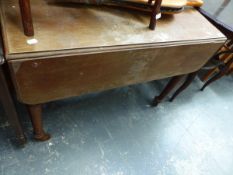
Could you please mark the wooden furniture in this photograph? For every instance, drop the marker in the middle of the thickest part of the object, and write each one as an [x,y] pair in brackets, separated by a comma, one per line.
[224,67]
[9,107]
[155,10]
[219,14]
[102,49]
[26,15]
[219,59]
[172,84]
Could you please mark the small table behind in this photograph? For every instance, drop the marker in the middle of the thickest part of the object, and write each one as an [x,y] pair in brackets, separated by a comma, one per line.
[220,14]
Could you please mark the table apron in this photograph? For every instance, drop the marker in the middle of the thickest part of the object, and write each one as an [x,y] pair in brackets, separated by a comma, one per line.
[42,80]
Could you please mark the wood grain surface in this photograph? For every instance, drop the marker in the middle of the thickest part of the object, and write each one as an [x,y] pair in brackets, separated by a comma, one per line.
[46,79]
[82,49]
[74,29]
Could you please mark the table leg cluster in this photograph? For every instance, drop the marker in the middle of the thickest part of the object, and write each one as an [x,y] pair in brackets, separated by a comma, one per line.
[224,55]
[172,84]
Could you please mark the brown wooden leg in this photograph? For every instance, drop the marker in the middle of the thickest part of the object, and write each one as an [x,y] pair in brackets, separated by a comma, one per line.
[170,86]
[230,43]
[213,79]
[223,71]
[206,76]
[10,110]
[36,118]
[155,11]
[26,16]
[230,71]
[187,82]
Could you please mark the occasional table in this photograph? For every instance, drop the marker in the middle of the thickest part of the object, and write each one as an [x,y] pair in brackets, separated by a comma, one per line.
[97,48]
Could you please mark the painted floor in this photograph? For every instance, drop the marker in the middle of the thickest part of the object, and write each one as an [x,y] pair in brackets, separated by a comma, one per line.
[116,132]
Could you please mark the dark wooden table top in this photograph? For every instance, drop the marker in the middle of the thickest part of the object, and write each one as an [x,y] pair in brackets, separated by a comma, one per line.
[221,13]
[84,29]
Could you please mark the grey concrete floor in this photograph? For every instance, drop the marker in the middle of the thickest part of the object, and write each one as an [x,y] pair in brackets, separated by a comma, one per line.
[116,133]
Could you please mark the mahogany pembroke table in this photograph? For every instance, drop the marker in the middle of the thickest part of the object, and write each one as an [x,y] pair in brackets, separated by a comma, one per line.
[91,49]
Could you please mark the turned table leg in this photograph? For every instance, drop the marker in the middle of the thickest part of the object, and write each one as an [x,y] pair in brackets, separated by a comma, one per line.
[213,79]
[170,86]
[155,11]
[187,82]
[224,69]
[36,118]
[26,16]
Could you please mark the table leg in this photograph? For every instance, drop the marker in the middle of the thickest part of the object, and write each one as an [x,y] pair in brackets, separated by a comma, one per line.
[10,110]
[26,15]
[209,74]
[187,82]
[230,71]
[150,2]
[230,43]
[223,71]
[169,87]
[35,112]
[155,11]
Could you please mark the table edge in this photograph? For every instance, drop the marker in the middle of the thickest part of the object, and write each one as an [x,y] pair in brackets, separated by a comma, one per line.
[105,49]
